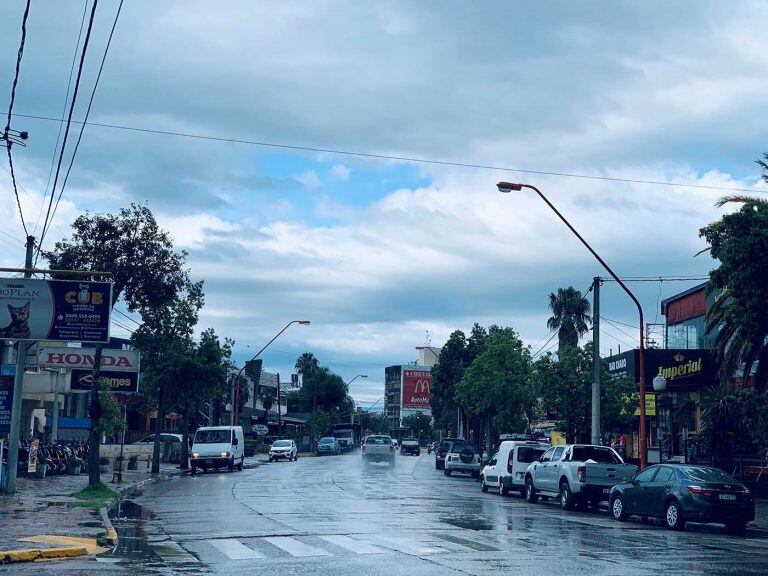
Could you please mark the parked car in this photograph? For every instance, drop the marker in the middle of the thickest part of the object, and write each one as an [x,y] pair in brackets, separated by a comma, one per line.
[283,449]
[680,493]
[441,450]
[218,447]
[164,437]
[576,474]
[506,470]
[410,446]
[327,445]
[462,457]
[378,448]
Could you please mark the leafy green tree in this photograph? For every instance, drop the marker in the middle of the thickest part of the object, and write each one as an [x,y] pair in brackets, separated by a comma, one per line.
[420,425]
[570,316]
[373,423]
[497,384]
[145,270]
[322,389]
[733,417]
[318,424]
[111,421]
[268,396]
[445,375]
[739,241]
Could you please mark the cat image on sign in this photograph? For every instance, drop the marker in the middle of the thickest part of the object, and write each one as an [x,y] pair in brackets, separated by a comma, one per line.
[19,326]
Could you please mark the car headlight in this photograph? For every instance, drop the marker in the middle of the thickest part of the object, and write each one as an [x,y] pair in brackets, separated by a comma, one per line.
[225,454]
[195,454]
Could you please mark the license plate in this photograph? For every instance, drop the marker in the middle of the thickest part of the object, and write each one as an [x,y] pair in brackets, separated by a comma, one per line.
[209,461]
[606,490]
[727,496]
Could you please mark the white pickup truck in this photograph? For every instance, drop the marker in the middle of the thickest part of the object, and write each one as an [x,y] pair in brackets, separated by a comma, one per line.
[576,474]
[378,448]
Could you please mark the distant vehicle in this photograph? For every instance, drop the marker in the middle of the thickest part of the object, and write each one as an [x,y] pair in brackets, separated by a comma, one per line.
[395,444]
[327,445]
[576,474]
[410,446]
[164,437]
[218,447]
[378,448]
[441,450]
[430,447]
[462,457]
[283,449]
[679,493]
[347,435]
[506,470]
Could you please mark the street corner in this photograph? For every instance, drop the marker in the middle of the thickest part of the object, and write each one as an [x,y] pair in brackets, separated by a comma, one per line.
[61,547]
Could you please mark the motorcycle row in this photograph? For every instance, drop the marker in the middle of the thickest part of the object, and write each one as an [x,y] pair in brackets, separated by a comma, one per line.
[58,458]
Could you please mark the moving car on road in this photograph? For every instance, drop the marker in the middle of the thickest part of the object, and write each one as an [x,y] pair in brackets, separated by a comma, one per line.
[462,457]
[506,470]
[283,449]
[218,447]
[327,445]
[576,474]
[378,448]
[679,493]
[410,446]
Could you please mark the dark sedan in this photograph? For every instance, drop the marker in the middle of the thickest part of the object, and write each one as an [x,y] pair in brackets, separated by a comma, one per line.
[681,493]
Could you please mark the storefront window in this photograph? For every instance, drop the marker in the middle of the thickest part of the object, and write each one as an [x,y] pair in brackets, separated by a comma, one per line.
[689,334]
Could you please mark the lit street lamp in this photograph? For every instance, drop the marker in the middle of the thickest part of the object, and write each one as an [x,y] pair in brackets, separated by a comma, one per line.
[507,187]
[236,384]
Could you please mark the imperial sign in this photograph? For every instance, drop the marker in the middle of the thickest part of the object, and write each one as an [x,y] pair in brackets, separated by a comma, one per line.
[82,358]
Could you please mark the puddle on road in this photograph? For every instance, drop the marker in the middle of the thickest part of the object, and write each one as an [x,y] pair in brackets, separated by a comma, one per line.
[469,522]
[128,518]
[128,510]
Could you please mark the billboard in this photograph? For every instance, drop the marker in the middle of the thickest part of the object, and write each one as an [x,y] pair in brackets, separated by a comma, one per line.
[685,370]
[122,382]
[416,388]
[62,310]
[82,358]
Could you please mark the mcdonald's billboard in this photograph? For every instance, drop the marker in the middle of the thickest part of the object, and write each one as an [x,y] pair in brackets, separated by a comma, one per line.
[416,388]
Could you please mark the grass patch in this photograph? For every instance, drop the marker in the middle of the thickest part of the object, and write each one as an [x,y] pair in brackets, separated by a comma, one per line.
[93,496]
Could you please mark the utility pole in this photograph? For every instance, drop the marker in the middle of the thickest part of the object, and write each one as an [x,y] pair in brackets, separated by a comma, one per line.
[279,411]
[596,360]
[18,382]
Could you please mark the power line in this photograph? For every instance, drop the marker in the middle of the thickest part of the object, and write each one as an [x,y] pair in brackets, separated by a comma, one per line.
[88,110]
[618,328]
[124,315]
[69,122]
[618,322]
[6,132]
[414,159]
[660,279]
[64,109]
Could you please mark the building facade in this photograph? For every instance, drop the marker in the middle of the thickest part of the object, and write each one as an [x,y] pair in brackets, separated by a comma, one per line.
[407,387]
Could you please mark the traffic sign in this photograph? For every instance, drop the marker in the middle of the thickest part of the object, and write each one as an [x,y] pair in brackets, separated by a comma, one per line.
[260,429]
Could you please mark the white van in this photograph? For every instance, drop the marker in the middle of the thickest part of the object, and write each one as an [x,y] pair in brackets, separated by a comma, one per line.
[506,469]
[218,447]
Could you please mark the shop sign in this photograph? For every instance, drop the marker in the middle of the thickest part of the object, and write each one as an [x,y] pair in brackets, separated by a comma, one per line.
[6,403]
[82,358]
[416,388]
[122,382]
[684,369]
[650,405]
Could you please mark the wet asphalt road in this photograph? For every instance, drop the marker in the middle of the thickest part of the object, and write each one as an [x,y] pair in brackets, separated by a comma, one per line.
[330,516]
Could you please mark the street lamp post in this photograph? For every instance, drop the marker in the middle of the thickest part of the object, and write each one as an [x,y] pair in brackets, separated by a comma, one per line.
[507,187]
[236,384]
[350,384]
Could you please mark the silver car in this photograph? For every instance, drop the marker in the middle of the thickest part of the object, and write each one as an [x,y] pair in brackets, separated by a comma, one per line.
[462,457]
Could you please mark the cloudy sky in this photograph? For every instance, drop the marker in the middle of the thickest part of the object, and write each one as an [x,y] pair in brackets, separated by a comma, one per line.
[378,253]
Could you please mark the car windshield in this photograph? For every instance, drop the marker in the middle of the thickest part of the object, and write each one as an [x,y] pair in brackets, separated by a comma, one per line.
[601,455]
[458,447]
[378,440]
[528,455]
[327,441]
[704,474]
[282,443]
[213,437]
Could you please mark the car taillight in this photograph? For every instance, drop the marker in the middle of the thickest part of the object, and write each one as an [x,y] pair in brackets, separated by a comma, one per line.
[363,448]
[581,473]
[700,490]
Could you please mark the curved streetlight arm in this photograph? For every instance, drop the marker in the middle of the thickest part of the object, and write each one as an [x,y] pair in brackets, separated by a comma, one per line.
[356,377]
[507,187]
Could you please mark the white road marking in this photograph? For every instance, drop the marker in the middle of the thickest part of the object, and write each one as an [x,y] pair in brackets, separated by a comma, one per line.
[172,553]
[295,547]
[356,546]
[235,550]
[407,545]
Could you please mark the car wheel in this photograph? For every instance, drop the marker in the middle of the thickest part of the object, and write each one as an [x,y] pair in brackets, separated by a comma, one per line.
[530,491]
[242,461]
[231,465]
[503,490]
[737,528]
[205,469]
[566,496]
[673,516]
[483,485]
[447,472]
[617,509]
[194,470]
[296,457]
[271,459]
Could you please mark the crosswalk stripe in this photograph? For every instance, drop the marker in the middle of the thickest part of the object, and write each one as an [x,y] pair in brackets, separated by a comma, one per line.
[407,545]
[295,547]
[234,549]
[172,553]
[356,546]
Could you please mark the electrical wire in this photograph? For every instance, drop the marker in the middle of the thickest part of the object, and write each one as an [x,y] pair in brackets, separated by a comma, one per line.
[413,159]
[618,328]
[64,108]
[88,110]
[69,122]
[124,315]
[7,129]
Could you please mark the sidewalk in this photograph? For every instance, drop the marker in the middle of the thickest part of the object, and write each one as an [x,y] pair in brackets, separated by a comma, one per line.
[761,515]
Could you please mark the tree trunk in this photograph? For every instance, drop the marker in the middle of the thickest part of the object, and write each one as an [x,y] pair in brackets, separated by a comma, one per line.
[158,429]
[94,410]
[184,460]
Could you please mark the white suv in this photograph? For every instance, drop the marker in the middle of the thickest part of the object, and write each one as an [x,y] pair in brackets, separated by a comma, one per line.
[464,458]
[283,449]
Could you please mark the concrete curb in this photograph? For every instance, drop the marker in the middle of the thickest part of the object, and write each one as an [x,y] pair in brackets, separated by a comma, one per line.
[32,554]
[111,536]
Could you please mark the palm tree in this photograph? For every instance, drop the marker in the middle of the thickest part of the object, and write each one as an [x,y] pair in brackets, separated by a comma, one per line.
[306,363]
[268,396]
[570,316]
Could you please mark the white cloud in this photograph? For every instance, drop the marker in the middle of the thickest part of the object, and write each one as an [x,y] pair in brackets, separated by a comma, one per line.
[340,172]
[309,179]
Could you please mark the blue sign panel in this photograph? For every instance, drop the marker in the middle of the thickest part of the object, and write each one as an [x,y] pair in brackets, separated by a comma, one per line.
[6,403]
